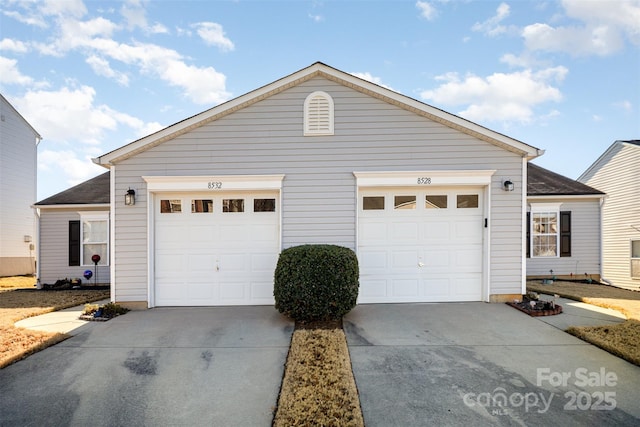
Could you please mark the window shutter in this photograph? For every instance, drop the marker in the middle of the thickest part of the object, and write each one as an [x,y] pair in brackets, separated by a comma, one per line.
[565,234]
[528,234]
[74,243]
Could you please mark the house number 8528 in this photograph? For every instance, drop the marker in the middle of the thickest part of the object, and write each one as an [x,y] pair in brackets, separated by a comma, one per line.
[424,180]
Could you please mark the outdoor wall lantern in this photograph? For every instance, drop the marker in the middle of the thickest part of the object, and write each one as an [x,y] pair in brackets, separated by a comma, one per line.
[130,197]
[508,185]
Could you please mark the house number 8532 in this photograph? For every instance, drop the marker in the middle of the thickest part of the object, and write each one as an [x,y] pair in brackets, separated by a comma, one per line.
[214,185]
[424,180]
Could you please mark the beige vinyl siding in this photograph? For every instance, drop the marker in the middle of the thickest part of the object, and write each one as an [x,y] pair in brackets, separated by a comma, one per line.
[319,193]
[618,175]
[585,242]
[54,247]
[17,192]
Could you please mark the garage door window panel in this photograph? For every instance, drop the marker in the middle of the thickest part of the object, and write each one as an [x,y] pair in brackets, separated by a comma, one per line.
[232,205]
[170,206]
[404,202]
[202,206]
[373,203]
[635,259]
[436,201]
[467,201]
[264,205]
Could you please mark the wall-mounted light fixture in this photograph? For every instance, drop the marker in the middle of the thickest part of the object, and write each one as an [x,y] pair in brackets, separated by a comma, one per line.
[130,197]
[508,185]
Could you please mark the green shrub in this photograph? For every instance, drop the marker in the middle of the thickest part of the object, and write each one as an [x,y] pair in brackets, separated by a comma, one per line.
[316,282]
[111,309]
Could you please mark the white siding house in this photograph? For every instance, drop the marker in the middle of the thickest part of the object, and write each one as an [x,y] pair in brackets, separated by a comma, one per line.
[18,186]
[617,173]
[319,156]
[73,227]
[563,227]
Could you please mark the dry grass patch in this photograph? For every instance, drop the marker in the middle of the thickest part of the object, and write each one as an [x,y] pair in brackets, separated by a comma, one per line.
[15,304]
[318,388]
[17,282]
[622,340]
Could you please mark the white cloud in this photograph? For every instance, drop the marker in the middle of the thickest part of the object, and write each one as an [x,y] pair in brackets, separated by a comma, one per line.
[29,19]
[101,67]
[75,8]
[66,163]
[601,29]
[427,10]
[316,18]
[370,78]
[77,119]
[625,105]
[491,26]
[499,97]
[213,35]
[13,45]
[10,74]
[136,16]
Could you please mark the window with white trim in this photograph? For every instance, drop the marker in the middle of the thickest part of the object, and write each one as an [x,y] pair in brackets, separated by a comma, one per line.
[635,259]
[318,114]
[545,230]
[94,230]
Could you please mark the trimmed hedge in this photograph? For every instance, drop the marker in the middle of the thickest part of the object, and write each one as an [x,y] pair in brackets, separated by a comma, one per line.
[316,282]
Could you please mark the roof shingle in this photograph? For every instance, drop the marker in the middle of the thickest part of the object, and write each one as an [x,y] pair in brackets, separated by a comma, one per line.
[543,182]
[92,192]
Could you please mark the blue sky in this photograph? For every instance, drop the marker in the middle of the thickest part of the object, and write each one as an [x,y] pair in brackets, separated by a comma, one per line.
[92,76]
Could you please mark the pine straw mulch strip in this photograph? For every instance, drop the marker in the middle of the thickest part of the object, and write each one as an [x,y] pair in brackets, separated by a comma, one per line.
[318,388]
[623,339]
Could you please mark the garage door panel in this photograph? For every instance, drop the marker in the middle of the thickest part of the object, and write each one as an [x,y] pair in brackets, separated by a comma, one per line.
[433,252]
[404,232]
[373,231]
[405,259]
[373,260]
[214,258]
[405,288]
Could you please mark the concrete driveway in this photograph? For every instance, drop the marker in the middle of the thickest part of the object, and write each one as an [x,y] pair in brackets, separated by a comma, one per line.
[486,364]
[163,367]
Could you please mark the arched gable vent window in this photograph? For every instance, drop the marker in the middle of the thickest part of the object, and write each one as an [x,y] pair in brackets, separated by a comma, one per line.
[318,114]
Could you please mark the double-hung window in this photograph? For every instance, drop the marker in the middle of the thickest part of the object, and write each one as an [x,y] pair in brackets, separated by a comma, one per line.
[95,238]
[548,231]
[635,259]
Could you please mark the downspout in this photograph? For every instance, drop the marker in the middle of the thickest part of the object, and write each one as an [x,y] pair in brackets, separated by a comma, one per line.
[38,257]
[523,227]
[602,278]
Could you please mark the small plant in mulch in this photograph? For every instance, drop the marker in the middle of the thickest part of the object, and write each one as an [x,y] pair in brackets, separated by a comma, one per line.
[102,313]
[534,306]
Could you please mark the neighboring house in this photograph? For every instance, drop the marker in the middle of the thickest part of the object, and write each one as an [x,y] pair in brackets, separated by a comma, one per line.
[434,205]
[617,173]
[563,226]
[74,226]
[18,189]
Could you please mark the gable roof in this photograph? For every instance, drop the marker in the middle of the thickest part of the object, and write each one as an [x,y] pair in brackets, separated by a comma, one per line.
[333,74]
[635,143]
[543,182]
[92,192]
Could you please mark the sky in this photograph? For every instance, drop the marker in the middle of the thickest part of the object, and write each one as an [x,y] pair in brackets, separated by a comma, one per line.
[92,76]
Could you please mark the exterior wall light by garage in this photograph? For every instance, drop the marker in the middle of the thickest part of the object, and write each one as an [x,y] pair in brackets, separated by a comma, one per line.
[508,185]
[130,197]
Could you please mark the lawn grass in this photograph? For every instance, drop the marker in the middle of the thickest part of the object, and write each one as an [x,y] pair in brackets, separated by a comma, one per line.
[318,388]
[622,340]
[17,303]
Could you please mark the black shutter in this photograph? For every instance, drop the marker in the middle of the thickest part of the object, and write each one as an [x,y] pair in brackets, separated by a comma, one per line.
[528,234]
[565,234]
[74,243]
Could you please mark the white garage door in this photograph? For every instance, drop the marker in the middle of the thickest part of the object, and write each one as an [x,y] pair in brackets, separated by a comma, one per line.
[420,246]
[215,250]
